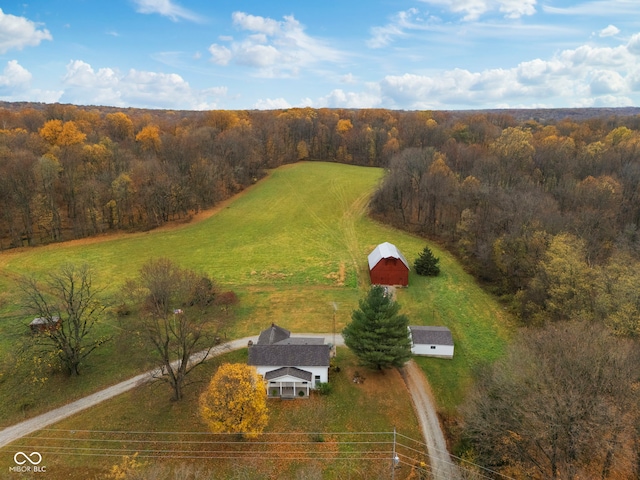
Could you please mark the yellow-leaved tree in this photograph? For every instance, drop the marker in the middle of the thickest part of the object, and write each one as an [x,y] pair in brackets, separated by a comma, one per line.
[149,139]
[235,401]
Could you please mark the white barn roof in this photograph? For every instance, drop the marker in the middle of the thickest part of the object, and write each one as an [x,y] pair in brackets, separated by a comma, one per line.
[385,250]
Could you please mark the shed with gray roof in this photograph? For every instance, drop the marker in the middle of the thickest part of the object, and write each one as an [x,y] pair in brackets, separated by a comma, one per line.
[431,341]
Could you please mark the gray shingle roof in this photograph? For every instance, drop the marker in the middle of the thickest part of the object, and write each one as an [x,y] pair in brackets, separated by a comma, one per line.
[385,250]
[290,355]
[291,371]
[431,335]
[273,334]
[302,341]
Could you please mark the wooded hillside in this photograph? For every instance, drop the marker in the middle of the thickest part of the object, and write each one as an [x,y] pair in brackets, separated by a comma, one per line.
[546,212]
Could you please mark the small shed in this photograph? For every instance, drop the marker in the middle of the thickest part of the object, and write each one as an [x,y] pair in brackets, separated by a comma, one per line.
[43,324]
[431,341]
[387,266]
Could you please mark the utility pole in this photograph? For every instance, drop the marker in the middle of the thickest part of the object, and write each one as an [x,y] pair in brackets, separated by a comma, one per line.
[394,457]
[335,348]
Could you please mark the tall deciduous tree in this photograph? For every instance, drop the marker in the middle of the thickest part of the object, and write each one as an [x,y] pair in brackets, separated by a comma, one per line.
[377,333]
[69,305]
[562,404]
[177,316]
[235,401]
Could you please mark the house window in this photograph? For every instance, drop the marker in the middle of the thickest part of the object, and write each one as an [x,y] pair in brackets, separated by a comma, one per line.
[317,378]
[433,347]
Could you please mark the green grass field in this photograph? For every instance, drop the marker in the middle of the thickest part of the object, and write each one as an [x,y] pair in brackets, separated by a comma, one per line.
[291,247]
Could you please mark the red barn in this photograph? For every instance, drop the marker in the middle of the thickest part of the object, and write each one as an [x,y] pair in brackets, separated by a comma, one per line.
[43,324]
[387,266]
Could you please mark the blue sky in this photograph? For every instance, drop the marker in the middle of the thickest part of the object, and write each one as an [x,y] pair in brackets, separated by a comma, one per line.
[398,54]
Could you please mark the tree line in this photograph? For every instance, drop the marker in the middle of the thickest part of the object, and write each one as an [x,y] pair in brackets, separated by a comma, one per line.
[69,172]
[547,216]
[519,202]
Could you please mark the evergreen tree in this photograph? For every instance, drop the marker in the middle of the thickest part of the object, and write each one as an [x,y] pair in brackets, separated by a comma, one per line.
[427,264]
[377,334]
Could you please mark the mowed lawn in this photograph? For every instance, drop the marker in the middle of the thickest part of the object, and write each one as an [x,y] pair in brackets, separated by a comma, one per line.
[294,248]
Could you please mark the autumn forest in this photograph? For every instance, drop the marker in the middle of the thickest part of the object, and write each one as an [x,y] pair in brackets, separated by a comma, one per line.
[545,213]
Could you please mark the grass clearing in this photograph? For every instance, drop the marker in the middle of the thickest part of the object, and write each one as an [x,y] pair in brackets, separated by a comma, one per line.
[292,246]
[88,444]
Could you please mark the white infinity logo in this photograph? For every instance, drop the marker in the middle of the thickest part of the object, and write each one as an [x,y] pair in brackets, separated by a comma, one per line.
[27,458]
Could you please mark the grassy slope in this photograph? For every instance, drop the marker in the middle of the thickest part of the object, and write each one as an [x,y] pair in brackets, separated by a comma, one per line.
[290,247]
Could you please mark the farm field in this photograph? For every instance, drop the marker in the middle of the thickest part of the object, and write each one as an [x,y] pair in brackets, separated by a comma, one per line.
[291,247]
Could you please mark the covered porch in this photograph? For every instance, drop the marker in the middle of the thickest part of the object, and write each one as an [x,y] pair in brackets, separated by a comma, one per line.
[288,382]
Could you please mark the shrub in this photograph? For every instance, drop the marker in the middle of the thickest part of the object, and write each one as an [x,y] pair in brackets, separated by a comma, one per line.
[324,388]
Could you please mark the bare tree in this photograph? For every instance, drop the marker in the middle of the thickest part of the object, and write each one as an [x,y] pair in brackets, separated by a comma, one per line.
[70,309]
[177,316]
[562,405]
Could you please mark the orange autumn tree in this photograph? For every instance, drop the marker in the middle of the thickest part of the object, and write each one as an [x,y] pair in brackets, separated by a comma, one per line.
[62,134]
[235,401]
[149,139]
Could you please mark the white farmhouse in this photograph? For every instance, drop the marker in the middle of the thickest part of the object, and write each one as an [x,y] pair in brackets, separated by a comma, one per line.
[291,366]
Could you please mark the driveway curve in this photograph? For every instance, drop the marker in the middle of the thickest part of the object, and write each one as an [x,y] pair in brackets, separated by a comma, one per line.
[13,433]
[441,465]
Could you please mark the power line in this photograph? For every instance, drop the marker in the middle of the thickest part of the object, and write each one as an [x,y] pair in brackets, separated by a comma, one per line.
[117,443]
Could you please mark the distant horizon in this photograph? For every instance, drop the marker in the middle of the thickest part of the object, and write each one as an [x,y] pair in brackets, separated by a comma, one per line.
[593,111]
[451,55]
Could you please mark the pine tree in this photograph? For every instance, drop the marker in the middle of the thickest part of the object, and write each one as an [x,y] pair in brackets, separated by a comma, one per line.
[377,333]
[427,264]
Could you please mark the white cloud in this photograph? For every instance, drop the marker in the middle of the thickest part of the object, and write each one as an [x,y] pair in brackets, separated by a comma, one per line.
[473,9]
[585,76]
[136,88]
[401,23]
[18,32]
[634,44]
[338,98]
[255,23]
[272,104]
[220,54]
[605,82]
[348,78]
[166,8]
[517,8]
[15,86]
[14,76]
[597,8]
[610,31]
[274,48]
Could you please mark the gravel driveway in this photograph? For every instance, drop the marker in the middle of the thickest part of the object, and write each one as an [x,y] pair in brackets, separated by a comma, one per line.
[441,465]
[442,468]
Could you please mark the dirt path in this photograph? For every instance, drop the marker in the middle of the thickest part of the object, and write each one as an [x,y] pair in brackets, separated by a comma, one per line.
[13,433]
[442,468]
